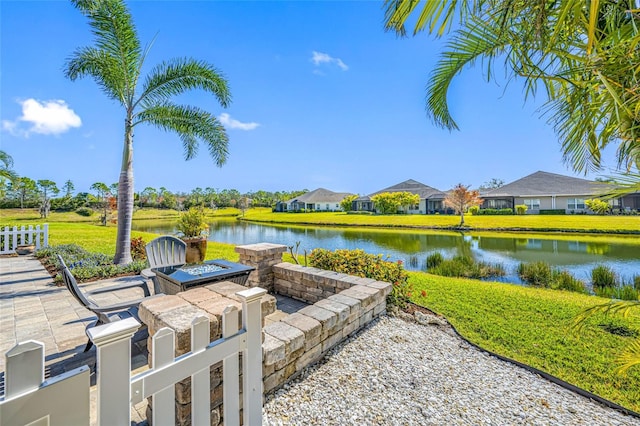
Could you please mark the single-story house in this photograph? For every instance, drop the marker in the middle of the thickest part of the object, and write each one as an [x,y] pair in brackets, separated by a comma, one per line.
[431,199]
[317,200]
[551,191]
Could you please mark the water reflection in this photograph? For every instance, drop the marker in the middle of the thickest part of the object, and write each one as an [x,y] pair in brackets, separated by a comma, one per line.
[578,254]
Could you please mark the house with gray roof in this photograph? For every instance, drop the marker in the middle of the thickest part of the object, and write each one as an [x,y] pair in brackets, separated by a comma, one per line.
[320,199]
[549,191]
[431,199]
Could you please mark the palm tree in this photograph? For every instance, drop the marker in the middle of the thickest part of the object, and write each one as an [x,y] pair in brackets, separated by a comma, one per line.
[582,55]
[6,164]
[115,62]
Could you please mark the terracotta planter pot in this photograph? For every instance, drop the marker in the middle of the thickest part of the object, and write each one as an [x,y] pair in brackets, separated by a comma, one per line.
[25,249]
[196,249]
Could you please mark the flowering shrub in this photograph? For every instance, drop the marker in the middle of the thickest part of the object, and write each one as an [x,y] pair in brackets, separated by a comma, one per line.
[137,249]
[362,264]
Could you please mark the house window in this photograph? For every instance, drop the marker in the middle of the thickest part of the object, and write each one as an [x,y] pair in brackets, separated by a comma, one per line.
[327,207]
[337,206]
[532,204]
[317,206]
[498,204]
[575,204]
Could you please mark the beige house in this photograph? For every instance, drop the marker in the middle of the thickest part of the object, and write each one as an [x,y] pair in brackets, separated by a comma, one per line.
[317,200]
[431,199]
[550,191]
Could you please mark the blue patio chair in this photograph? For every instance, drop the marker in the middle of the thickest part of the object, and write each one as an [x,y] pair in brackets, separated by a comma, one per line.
[163,251]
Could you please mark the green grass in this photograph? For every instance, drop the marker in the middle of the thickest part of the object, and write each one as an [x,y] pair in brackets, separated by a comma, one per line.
[532,326]
[102,239]
[577,223]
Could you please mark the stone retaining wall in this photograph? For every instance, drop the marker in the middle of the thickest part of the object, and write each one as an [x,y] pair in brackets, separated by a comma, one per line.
[343,305]
[340,305]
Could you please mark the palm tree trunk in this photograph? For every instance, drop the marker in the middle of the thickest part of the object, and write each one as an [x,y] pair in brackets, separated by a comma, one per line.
[125,199]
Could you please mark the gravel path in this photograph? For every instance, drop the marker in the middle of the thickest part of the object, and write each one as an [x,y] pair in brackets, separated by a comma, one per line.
[401,373]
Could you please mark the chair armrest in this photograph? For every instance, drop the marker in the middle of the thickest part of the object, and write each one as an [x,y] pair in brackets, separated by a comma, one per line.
[142,284]
[147,273]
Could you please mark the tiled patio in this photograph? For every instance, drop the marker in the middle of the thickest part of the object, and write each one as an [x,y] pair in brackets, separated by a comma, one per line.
[32,307]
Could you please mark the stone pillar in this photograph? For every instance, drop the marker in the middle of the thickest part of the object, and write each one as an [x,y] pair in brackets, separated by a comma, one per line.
[261,256]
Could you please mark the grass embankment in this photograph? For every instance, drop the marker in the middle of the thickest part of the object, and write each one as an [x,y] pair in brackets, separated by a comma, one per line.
[533,326]
[547,223]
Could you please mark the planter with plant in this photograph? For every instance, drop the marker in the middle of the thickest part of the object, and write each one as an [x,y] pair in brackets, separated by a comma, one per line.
[194,229]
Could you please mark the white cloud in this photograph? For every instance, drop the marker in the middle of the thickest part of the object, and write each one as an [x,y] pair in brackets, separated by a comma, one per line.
[232,123]
[319,58]
[46,118]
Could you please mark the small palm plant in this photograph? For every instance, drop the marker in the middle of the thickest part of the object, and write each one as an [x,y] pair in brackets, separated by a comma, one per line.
[631,355]
[192,223]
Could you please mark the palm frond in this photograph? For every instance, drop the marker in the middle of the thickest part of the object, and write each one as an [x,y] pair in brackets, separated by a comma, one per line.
[193,125]
[435,15]
[6,166]
[104,70]
[179,75]
[629,358]
[622,307]
[115,38]
[476,40]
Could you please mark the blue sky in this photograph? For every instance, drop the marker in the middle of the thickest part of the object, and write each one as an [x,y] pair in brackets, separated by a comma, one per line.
[322,97]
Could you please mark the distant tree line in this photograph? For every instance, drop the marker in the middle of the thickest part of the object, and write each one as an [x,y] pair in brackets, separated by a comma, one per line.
[46,195]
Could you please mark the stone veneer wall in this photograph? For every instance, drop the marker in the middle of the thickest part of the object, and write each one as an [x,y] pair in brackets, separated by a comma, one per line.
[341,305]
[261,256]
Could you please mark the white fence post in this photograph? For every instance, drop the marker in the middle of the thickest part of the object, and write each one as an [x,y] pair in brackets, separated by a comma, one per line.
[164,404]
[252,355]
[230,370]
[200,381]
[113,361]
[30,400]
[45,238]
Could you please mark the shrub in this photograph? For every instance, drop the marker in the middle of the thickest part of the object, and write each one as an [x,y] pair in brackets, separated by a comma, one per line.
[434,260]
[603,276]
[362,264]
[625,292]
[494,212]
[563,280]
[552,211]
[636,282]
[473,210]
[538,274]
[84,265]
[598,206]
[467,267]
[137,249]
[192,223]
[84,211]
[521,209]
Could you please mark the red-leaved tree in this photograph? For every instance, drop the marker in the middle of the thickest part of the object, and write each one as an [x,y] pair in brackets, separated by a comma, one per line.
[460,198]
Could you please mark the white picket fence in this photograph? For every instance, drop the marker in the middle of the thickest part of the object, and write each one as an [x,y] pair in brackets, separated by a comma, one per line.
[10,238]
[64,400]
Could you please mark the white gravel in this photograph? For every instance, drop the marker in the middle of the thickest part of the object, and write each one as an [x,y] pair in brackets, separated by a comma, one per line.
[401,373]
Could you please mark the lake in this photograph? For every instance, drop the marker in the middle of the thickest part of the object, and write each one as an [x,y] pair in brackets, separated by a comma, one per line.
[576,253]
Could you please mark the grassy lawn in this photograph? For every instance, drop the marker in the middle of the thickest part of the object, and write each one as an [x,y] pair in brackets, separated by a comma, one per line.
[576,223]
[20,217]
[532,326]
